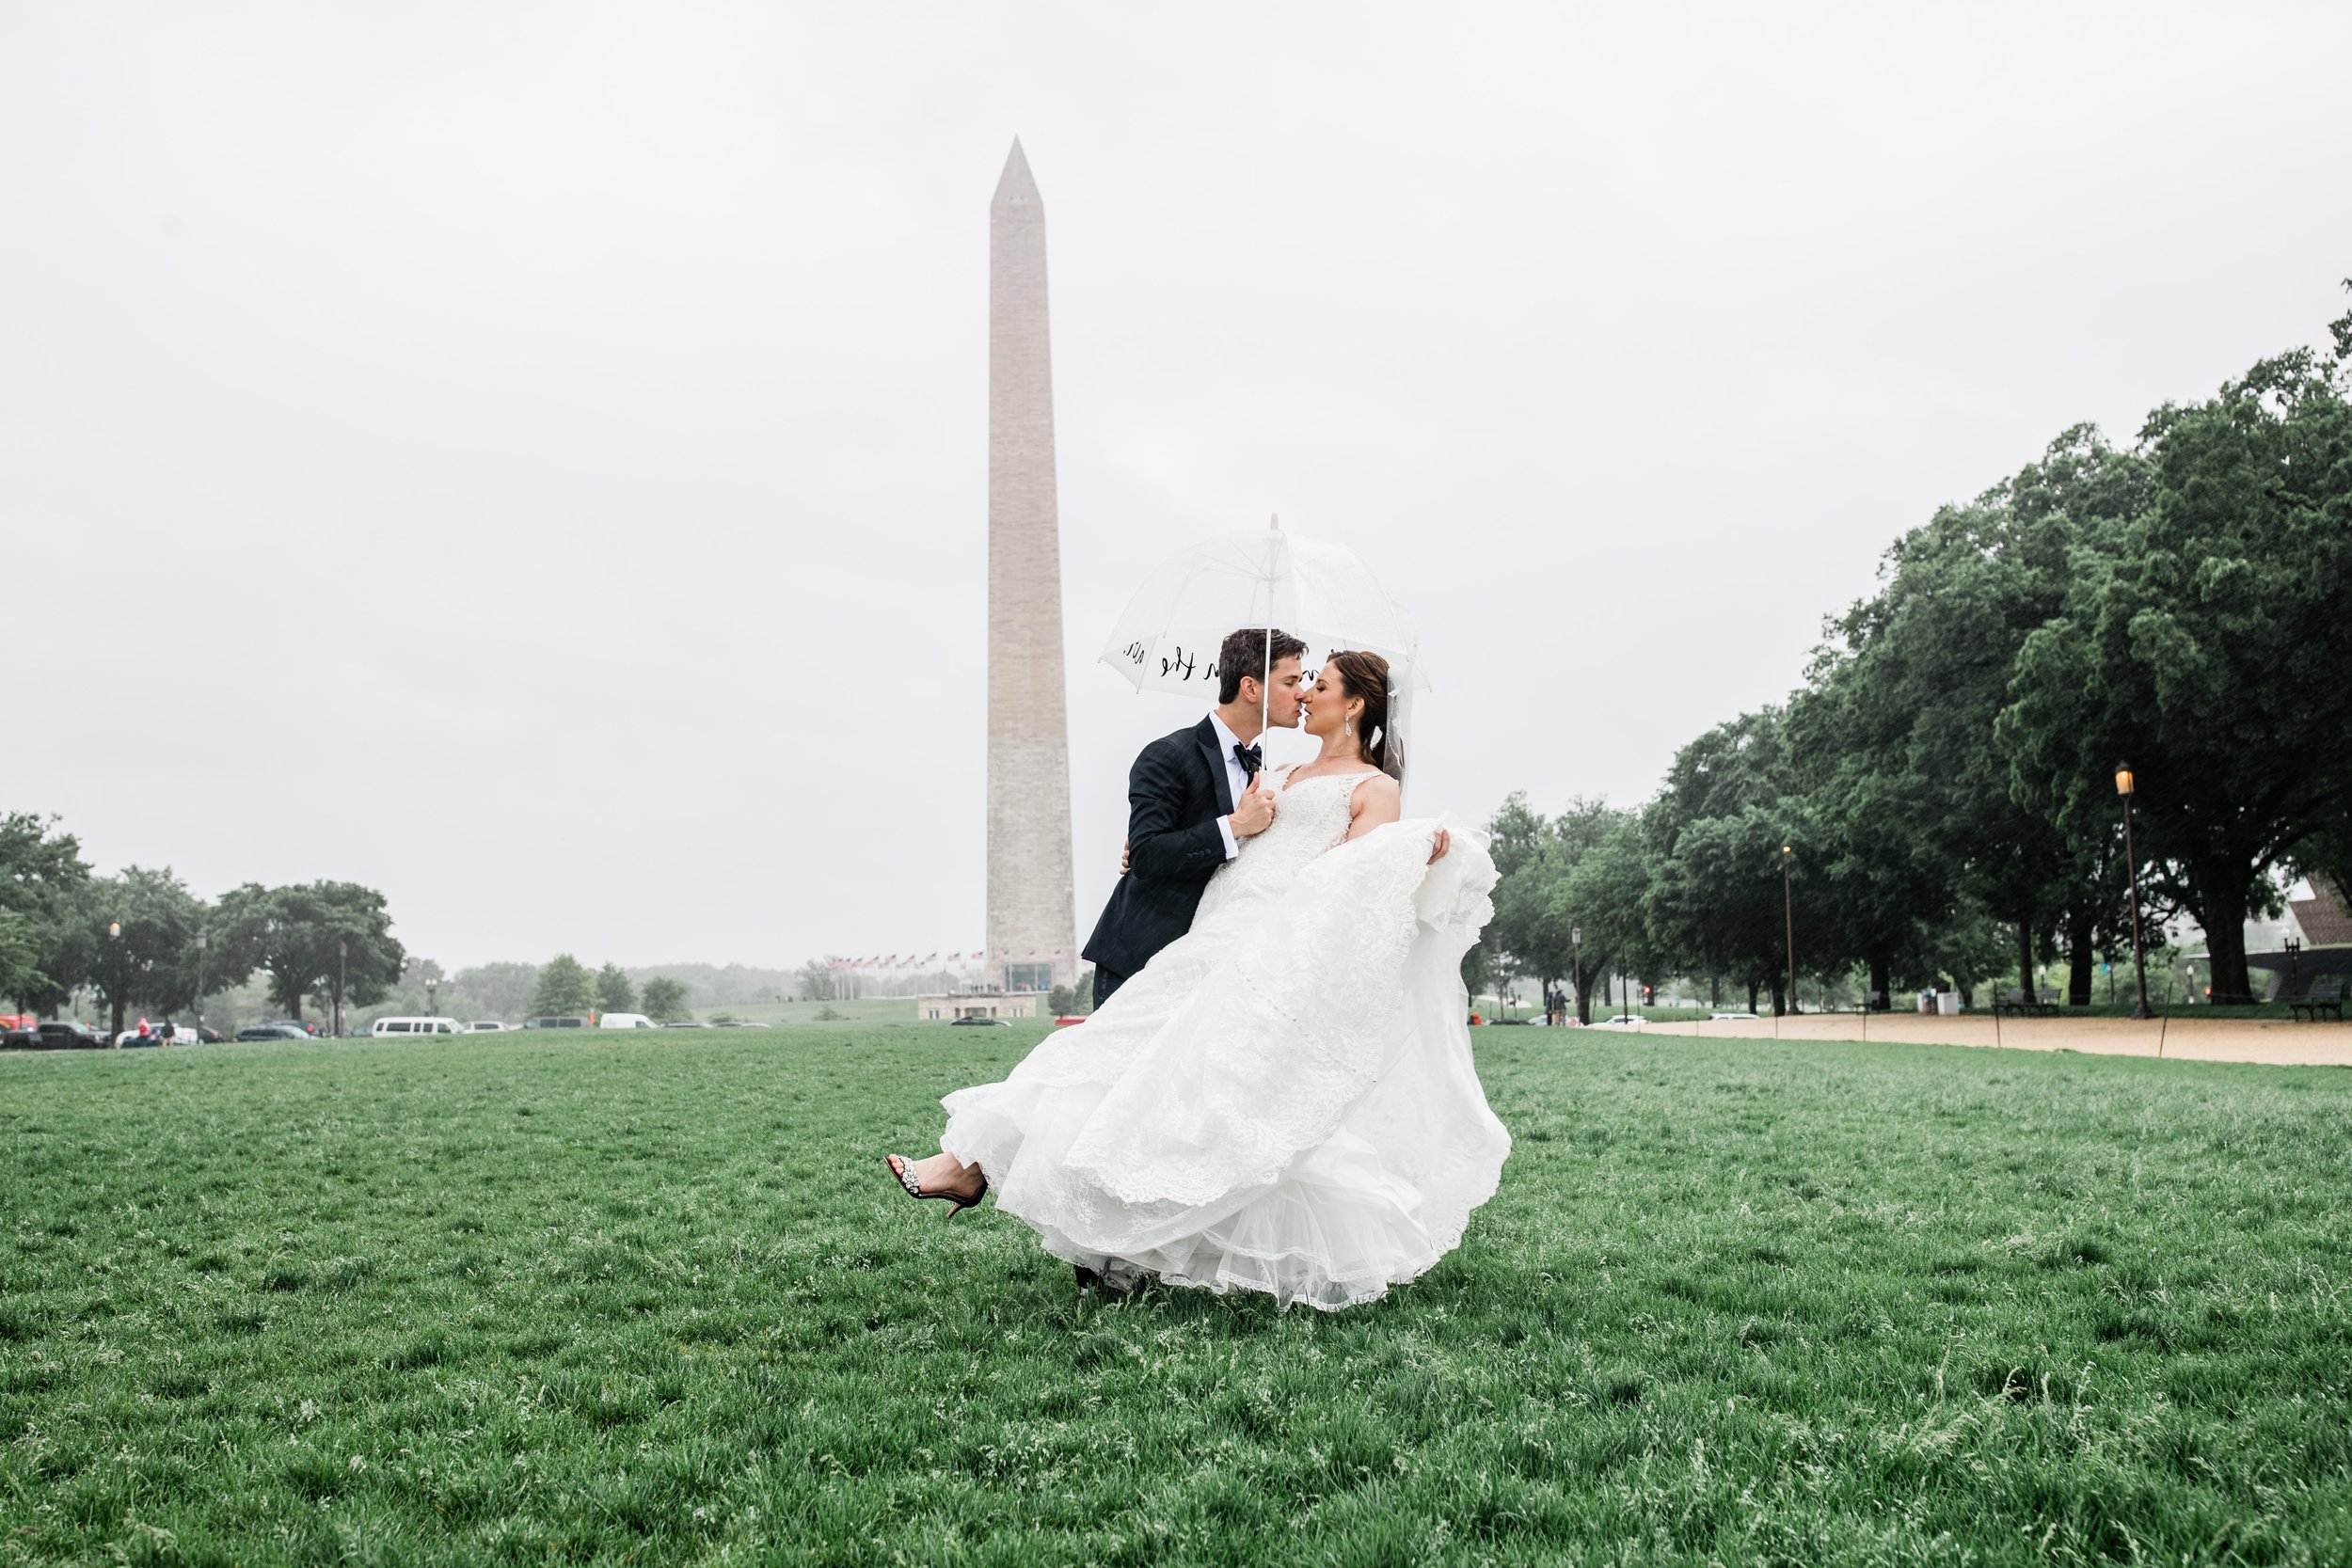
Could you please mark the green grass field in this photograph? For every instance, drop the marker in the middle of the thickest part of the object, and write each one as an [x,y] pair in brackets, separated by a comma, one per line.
[620,1299]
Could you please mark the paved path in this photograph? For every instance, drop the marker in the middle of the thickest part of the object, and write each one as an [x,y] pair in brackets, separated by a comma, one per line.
[2276,1042]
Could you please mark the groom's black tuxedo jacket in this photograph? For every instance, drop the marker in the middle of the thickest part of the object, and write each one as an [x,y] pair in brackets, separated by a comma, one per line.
[1175,793]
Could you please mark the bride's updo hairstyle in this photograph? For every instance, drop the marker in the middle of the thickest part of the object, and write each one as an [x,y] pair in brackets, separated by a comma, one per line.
[1366,675]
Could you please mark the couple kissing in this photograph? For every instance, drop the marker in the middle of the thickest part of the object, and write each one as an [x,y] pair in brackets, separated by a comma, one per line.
[1275,1091]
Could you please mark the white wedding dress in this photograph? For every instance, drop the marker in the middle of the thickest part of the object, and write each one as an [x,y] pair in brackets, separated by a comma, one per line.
[1283,1099]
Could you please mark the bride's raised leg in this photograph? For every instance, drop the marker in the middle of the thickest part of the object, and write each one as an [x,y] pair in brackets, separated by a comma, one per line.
[942,1175]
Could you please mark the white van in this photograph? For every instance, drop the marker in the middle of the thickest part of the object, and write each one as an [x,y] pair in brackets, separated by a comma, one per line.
[416,1026]
[626,1021]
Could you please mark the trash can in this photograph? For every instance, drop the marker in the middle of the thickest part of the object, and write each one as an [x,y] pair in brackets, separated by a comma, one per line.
[1948,1002]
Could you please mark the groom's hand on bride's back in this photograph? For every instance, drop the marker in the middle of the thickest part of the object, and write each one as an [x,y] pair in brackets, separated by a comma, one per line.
[1254,813]
[1439,845]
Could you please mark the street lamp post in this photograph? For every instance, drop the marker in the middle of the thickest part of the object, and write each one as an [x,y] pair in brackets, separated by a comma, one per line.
[114,987]
[2293,946]
[2127,786]
[342,950]
[200,985]
[1788,917]
[433,996]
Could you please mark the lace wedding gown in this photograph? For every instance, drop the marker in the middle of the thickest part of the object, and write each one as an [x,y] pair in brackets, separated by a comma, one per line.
[1283,1099]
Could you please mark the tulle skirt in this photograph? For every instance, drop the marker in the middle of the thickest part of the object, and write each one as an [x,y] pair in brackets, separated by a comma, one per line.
[1282,1101]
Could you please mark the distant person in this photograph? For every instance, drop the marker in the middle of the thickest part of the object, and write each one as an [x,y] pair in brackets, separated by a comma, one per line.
[1283,1098]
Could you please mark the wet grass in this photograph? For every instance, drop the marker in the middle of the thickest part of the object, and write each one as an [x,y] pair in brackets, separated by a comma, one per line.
[618,1299]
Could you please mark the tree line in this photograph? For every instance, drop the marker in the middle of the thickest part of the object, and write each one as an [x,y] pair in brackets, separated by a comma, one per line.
[1942,792]
[566,988]
[142,940]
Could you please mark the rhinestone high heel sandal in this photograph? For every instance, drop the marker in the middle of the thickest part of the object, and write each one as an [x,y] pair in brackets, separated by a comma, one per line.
[903,1168]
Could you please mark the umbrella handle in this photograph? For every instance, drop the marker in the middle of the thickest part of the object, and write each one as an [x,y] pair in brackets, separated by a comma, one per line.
[1266,682]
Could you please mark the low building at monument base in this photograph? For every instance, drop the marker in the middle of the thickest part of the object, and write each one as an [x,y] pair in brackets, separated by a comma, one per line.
[981,1004]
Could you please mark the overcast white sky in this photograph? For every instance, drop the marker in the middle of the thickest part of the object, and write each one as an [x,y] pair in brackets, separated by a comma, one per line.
[531,458]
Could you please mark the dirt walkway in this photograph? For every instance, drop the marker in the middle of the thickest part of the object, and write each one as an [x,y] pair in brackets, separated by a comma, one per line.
[2276,1042]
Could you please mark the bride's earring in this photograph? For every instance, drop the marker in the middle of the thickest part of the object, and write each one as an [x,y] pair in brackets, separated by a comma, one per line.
[1347,727]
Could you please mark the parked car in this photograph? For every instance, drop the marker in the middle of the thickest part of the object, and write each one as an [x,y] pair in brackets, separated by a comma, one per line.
[1622,1018]
[208,1035]
[273,1031]
[1719,1018]
[488,1026]
[555,1024]
[690,1023]
[65,1034]
[305,1030]
[157,1034]
[21,1037]
[969,1021]
[626,1021]
[416,1026]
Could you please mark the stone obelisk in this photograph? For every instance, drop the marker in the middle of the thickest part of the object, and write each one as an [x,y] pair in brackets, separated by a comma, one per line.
[1032,931]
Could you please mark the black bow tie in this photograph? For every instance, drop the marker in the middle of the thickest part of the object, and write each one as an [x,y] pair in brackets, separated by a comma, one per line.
[1250,759]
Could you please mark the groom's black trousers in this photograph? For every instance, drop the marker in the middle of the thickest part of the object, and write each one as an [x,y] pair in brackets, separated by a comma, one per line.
[1104,983]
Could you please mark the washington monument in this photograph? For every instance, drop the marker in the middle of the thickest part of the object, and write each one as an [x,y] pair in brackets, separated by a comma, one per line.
[1032,930]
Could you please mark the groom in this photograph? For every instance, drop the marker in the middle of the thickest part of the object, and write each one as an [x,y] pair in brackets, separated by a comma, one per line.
[1192,797]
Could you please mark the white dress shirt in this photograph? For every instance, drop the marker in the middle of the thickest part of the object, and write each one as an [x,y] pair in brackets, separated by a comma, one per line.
[1239,780]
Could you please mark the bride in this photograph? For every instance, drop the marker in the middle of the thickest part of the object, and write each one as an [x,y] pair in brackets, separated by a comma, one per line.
[1283,1099]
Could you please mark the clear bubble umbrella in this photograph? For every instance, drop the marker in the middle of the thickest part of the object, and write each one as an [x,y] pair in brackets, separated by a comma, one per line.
[1167,639]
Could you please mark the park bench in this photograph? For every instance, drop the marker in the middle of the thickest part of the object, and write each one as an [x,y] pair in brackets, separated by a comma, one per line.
[2326,996]
[2014,1000]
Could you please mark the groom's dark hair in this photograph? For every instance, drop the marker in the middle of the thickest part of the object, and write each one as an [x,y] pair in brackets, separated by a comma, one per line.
[1248,652]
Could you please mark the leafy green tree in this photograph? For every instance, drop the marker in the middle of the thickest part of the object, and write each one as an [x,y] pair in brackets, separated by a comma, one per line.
[664,1001]
[2204,641]
[317,939]
[495,990]
[818,982]
[565,990]
[615,995]
[1714,903]
[1511,943]
[41,876]
[1608,870]
[1914,820]
[149,955]
[1585,870]
[19,957]
[1599,894]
